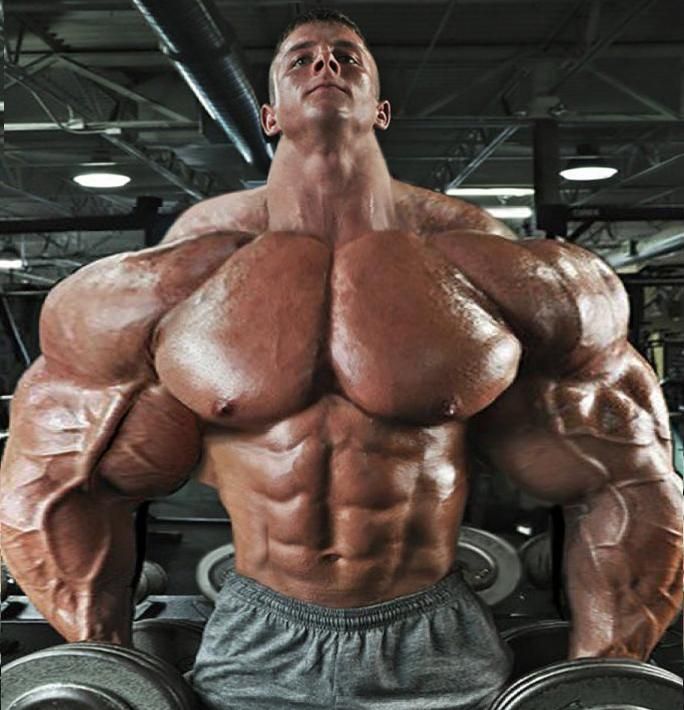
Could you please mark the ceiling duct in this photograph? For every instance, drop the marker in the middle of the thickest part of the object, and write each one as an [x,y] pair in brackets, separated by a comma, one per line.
[204,49]
[664,242]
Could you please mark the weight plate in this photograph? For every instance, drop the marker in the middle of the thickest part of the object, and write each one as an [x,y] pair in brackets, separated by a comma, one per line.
[594,684]
[175,641]
[5,582]
[156,576]
[93,676]
[153,580]
[490,564]
[537,561]
[537,645]
[212,569]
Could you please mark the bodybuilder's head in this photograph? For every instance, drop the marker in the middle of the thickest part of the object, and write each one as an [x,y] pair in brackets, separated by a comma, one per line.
[323,71]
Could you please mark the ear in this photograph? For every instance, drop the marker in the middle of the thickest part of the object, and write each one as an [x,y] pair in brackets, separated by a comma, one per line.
[269,122]
[383,115]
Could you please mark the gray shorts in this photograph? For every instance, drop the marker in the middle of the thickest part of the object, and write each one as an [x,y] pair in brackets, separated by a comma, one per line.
[437,648]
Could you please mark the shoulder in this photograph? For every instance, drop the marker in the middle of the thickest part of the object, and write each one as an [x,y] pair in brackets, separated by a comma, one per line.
[427,212]
[242,211]
[99,320]
[563,302]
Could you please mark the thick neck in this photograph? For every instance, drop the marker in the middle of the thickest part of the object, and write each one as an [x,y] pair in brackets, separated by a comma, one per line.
[335,192]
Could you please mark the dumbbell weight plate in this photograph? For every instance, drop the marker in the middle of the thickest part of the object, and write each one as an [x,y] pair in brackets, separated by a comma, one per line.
[489,563]
[91,676]
[153,580]
[175,641]
[537,645]
[5,583]
[537,560]
[594,684]
[212,569]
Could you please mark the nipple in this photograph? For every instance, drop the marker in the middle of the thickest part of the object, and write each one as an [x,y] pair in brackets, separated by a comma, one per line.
[449,408]
[224,408]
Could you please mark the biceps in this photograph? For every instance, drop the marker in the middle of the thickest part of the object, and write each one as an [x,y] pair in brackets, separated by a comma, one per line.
[564,438]
[156,446]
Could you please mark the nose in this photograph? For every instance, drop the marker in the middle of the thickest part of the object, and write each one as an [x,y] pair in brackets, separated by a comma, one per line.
[325,59]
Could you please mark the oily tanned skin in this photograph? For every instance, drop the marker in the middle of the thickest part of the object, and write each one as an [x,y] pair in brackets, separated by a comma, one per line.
[328,352]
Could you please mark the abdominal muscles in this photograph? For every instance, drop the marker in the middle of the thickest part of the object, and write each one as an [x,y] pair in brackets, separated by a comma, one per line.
[340,508]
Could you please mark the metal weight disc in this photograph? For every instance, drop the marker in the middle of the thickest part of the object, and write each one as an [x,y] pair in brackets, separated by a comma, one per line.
[153,580]
[4,587]
[91,676]
[594,684]
[490,564]
[212,569]
[537,561]
[175,641]
[537,645]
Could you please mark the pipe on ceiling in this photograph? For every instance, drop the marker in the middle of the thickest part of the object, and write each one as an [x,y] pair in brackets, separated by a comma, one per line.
[204,49]
[664,242]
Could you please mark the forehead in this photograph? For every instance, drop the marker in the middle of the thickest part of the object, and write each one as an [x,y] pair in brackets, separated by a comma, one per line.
[313,33]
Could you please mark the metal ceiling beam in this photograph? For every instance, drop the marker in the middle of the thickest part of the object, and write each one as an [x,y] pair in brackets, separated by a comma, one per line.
[195,184]
[664,242]
[480,158]
[105,126]
[117,88]
[631,178]
[472,55]
[601,44]
[453,121]
[426,55]
[35,198]
[633,93]
[112,5]
[34,67]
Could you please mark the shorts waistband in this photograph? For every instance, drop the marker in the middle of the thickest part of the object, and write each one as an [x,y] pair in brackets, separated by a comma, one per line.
[448,590]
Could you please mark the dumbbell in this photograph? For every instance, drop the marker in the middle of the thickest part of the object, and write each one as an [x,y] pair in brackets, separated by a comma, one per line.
[175,641]
[4,582]
[94,675]
[153,580]
[543,680]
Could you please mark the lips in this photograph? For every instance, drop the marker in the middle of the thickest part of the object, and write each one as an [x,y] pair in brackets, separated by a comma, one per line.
[326,85]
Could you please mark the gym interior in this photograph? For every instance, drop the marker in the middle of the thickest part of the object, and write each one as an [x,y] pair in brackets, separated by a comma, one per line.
[564,119]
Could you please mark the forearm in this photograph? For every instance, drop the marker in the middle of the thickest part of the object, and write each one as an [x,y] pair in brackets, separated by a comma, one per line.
[76,564]
[623,568]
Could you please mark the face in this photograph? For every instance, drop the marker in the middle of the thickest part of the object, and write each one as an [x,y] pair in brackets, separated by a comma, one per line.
[323,73]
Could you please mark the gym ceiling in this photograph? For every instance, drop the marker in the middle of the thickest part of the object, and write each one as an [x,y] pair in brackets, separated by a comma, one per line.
[469,80]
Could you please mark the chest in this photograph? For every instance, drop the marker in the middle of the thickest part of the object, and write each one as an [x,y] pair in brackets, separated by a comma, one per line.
[384,320]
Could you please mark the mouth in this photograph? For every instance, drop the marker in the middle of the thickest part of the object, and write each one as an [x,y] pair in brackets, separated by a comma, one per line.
[326,87]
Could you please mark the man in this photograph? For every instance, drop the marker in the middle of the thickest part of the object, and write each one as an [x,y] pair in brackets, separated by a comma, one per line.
[334,363]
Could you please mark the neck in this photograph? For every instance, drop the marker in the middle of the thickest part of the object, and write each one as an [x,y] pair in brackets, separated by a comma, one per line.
[333,191]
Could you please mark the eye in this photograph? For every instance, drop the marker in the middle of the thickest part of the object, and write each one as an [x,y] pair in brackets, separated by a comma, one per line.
[346,59]
[300,61]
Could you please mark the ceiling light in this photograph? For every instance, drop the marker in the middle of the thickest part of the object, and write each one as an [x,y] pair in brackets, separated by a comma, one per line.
[587,165]
[588,172]
[510,212]
[490,191]
[102,180]
[10,259]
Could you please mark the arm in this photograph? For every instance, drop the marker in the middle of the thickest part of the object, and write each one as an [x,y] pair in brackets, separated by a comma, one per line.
[67,534]
[595,439]
[93,433]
